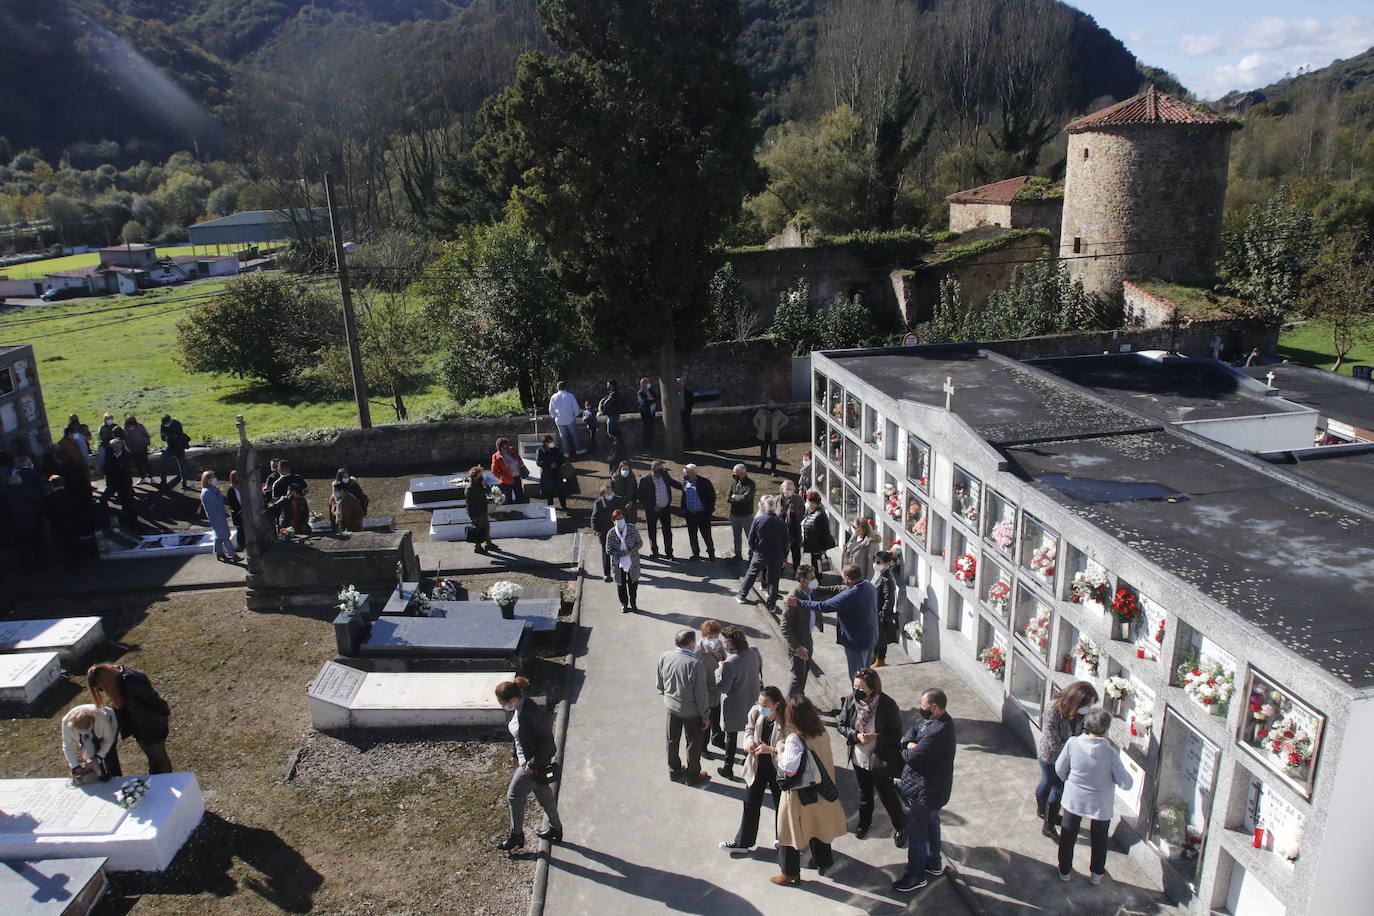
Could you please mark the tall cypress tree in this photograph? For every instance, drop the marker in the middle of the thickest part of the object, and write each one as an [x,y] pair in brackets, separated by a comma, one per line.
[629,155]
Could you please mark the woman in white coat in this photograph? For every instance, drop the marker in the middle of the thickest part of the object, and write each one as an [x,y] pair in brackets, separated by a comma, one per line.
[90,742]
[1091,768]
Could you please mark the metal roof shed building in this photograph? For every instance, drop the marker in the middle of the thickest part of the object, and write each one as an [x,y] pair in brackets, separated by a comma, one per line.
[253,226]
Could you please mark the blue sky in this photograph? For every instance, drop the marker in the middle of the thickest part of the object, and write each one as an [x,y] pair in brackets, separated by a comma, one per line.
[1214,46]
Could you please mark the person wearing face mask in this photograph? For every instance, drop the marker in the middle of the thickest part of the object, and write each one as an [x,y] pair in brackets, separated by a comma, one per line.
[760,775]
[509,469]
[768,423]
[534,745]
[792,509]
[647,398]
[806,475]
[711,651]
[212,505]
[872,725]
[740,678]
[345,512]
[698,505]
[797,623]
[655,494]
[119,478]
[553,468]
[1063,720]
[885,581]
[927,779]
[352,486]
[606,504]
[623,544]
[856,617]
[625,484]
[767,552]
[741,499]
[817,537]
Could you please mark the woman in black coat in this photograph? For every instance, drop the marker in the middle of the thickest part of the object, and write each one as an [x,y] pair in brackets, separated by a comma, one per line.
[534,746]
[815,531]
[871,724]
[553,465]
[141,713]
[885,581]
[603,510]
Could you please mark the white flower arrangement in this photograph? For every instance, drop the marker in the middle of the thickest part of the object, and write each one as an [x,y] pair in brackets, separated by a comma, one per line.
[504,593]
[420,601]
[445,590]
[889,489]
[913,631]
[1118,688]
[1089,653]
[132,792]
[1043,559]
[350,601]
[496,494]
[1037,630]
[1209,683]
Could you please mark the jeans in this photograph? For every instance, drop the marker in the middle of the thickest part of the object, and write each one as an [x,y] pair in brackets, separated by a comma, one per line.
[1051,787]
[768,451]
[771,573]
[789,859]
[169,456]
[568,436]
[765,780]
[1068,838]
[857,658]
[690,728]
[699,523]
[739,528]
[887,791]
[923,837]
[613,426]
[796,677]
[660,518]
[521,785]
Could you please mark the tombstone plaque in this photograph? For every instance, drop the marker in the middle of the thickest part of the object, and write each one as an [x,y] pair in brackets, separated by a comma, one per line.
[50,807]
[336,683]
[69,637]
[25,675]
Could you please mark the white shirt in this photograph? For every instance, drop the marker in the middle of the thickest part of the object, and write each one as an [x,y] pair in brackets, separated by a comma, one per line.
[793,756]
[514,727]
[563,408]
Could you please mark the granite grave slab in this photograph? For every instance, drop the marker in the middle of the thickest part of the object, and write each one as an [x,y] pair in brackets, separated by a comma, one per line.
[436,492]
[51,819]
[161,545]
[342,697]
[541,613]
[72,638]
[431,637]
[25,675]
[52,887]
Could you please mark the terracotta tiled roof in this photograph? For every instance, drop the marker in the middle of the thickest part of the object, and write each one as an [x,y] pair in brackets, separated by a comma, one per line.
[1150,107]
[999,192]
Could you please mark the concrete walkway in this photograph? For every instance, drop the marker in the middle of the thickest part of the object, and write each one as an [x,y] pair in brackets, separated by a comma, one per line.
[639,843]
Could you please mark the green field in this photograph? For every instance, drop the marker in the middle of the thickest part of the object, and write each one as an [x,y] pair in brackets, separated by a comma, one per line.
[35,269]
[1309,344]
[116,353]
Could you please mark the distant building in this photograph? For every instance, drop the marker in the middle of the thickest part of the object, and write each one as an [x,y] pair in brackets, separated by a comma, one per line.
[23,420]
[251,227]
[126,269]
[129,255]
[1014,203]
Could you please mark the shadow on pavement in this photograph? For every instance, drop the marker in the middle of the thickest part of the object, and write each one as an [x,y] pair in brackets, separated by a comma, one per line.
[682,893]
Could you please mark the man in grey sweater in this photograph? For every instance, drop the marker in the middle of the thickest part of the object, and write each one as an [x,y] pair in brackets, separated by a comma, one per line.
[682,681]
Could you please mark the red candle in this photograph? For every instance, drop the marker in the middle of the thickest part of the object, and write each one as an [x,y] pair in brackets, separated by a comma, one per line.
[1259,837]
[1068,664]
[1139,651]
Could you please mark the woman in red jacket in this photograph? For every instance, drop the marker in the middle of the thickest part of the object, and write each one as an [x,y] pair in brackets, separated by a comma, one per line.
[508,468]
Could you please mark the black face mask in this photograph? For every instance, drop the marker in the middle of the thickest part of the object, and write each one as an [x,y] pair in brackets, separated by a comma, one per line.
[860,694]
[925,713]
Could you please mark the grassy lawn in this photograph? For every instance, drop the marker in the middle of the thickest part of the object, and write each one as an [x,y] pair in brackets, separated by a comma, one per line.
[35,269]
[1309,344]
[116,353]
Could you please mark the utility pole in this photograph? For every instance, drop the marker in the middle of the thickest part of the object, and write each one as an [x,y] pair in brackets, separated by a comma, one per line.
[355,360]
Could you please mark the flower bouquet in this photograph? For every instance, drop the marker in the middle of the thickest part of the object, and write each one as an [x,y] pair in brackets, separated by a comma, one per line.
[1089,653]
[966,503]
[1116,689]
[999,594]
[1291,746]
[1003,533]
[994,660]
[1125,609]
[1043,560]
[1085,587]
[132,792]
[445,590]
[1159,633]
[496,494]
[1142,721]
[965,567]
[893,502]
[1208,683]
[913,631]
[851,414]
[505,594]
[350,601]
[915,518]
[1037,631]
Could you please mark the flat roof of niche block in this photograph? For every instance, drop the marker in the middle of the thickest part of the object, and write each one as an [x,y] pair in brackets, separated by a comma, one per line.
[1291,562]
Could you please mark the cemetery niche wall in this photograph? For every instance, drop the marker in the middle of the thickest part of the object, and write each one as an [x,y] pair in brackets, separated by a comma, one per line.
[1240,677]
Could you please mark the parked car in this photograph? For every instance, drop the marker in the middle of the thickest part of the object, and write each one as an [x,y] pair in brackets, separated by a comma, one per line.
[58,293]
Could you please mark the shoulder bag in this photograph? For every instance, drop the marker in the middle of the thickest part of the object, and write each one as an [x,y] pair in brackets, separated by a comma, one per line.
[809,794]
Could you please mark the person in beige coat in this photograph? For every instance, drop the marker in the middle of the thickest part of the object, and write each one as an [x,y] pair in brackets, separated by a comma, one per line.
[860,547]
[815,825]
[768,423]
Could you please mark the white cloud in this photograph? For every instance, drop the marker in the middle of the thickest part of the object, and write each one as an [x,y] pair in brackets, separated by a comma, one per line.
[1263,50]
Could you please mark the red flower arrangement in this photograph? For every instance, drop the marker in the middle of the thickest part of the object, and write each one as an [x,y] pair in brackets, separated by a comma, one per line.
[1125,607]
[965,567]
[993,660]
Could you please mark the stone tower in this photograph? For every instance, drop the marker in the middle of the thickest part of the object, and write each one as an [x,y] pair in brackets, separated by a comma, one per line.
[1143,194]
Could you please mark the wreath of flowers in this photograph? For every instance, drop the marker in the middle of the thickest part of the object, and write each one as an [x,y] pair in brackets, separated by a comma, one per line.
[1037,630]
[965,567]
[1043,559]
[1003,533]
[998,593]
[1289,744]
[1208,683]
[994,660]
[1084,588]
[1089,653]
[1125,608]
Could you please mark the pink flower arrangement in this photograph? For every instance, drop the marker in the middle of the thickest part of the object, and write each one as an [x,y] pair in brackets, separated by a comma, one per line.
[1043,560]
[965,567]
[1002,533]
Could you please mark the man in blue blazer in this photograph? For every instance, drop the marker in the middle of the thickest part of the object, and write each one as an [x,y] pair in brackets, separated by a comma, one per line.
[856,615]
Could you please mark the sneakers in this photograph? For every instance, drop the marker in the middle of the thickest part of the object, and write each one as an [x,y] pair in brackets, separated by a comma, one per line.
[1094,878]
[935,872]
[740,599]
[908,883]
[732,847]
[1063,876]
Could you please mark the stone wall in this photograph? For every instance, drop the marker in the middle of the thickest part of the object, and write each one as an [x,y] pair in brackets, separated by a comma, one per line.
[744,372]
[979,275]
[456,445]
[1142,309]
[1144,201]
[1038,214]
[963,217]
[831,271]
[1238,338]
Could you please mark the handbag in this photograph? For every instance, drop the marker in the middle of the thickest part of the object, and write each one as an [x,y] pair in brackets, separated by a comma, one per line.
[809,794]
[549,773]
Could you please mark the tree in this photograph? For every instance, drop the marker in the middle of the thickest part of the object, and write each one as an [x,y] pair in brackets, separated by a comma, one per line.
[1267,262]
[506,320]
[634,150]
[794,323]
[733,314]
[846,323]
[1341,293]
[1041,300]
[262,328]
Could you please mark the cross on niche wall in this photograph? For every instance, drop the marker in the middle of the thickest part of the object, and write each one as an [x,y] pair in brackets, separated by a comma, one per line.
[949,392]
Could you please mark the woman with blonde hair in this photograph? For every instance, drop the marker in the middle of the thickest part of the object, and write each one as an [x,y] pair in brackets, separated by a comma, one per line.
[1063,720]
[806,770]
[858,550]
[140,712]
[217,514]
[90,742]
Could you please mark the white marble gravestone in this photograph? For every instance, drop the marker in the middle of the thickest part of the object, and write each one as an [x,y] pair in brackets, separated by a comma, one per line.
[516,520]
[25,675]
[165,545]
[70,637]
[342,697]
[51,819]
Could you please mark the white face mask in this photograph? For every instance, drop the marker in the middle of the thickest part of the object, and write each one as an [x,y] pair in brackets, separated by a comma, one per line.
[881,567]
[624,473]
[347,479]
[1084,710]
[214,481]
[806,462]
[620,524]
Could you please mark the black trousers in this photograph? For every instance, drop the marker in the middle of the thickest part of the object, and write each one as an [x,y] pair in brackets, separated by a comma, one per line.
[646,418]
[717,733]
[768,451]
[699,524]
[770,573]
[794,548]
[789,859]
[887,790]
[679,728]
[654,519]
[1068,838]
[731,745]
[627,589]
[687,436]
[605,557]
[765,780]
